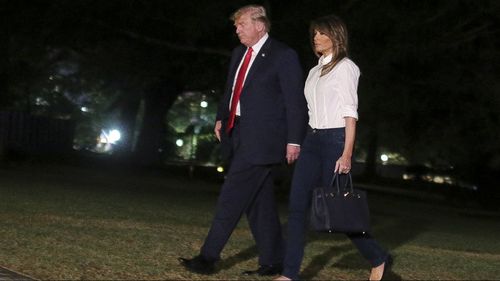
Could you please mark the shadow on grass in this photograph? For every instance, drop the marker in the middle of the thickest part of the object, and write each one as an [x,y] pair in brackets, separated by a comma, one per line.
[350,261]
[393,236]
[392,230]
[246,254]
[320,261]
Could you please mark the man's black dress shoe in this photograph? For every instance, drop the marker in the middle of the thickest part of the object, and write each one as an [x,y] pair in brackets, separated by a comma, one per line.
[265,270]
[199,265]
[387,266]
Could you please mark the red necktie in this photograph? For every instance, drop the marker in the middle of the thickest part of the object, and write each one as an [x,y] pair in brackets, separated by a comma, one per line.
[237,89]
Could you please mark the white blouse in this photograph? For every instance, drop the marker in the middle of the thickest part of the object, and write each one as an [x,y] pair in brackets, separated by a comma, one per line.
[334,96]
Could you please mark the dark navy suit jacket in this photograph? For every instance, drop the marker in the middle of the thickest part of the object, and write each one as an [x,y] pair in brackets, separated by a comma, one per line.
[272,104]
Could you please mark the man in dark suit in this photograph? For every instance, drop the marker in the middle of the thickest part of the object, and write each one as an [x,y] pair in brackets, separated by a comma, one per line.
[261,122]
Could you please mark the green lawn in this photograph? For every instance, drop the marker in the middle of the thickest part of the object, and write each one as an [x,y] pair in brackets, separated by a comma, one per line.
[68,223]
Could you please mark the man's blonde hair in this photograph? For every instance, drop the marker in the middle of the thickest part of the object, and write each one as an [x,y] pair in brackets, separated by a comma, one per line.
[257,13]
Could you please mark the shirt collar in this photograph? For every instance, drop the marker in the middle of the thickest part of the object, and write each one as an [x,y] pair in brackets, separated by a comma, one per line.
[325,60]
[256,48]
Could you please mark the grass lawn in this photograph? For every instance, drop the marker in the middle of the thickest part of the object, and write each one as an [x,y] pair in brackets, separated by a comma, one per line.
[68,223]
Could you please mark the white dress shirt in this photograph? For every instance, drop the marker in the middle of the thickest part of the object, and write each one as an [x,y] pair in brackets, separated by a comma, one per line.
[332,97]
[256,48]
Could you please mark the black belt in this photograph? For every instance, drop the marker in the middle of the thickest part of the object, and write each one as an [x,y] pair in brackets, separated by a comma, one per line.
[314,131]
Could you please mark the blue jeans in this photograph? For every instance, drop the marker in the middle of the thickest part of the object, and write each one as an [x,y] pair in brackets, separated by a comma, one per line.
[319,152]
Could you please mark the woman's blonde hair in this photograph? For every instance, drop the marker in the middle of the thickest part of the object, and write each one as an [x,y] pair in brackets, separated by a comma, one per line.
[333,27]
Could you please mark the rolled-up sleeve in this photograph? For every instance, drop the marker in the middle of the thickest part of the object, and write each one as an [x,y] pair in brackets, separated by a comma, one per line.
[349,77]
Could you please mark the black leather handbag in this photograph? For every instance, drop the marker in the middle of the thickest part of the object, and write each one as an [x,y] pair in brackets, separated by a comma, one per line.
[336,209]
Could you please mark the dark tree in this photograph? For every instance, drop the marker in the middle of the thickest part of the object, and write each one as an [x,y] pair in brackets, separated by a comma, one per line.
[428,90]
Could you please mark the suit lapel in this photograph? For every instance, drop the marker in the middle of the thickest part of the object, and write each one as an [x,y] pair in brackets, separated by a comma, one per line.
[260,60]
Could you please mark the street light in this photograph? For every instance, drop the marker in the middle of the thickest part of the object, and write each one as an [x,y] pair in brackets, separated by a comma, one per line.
[179,142]
[384,157]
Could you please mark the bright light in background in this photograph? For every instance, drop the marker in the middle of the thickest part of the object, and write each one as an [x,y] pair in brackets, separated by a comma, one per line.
[114,136]
[110,137]
[84,109]
[41,101]
[179,142]
[220,169]
[204,104]
[384,157]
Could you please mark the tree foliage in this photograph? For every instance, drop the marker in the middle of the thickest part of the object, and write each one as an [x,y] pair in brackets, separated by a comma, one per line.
[428,90]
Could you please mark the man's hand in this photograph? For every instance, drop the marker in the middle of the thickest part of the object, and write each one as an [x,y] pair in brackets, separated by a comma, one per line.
[292,153]
[218,126]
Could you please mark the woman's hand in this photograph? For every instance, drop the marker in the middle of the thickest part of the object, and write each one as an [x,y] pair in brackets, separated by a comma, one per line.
[343,165]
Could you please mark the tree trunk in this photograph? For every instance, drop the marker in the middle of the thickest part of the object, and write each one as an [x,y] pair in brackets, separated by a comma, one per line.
[129,108]
[157,101]
[370,171]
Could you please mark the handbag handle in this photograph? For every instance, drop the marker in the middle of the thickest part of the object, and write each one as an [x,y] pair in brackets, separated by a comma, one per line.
[347,183]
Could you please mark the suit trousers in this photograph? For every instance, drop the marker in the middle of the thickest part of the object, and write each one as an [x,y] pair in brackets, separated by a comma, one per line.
[248,189]
[319,152]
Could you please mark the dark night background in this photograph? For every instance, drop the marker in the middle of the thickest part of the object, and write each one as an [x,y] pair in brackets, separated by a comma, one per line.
[429,90]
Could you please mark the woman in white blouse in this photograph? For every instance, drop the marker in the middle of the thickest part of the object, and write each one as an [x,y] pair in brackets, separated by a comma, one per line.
[331,93]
